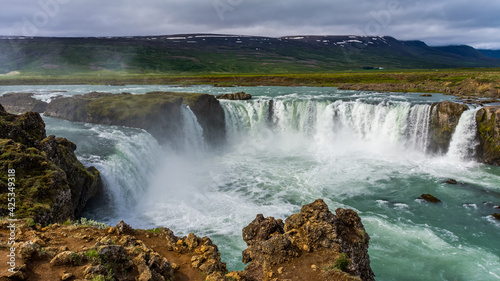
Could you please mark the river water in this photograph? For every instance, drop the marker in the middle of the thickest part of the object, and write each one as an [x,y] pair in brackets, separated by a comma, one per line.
[360,150]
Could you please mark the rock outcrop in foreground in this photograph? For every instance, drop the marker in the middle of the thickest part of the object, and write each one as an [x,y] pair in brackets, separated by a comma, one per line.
[312,245]
[51,185]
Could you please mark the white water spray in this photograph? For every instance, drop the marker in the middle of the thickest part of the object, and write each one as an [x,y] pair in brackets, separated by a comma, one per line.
[463,142]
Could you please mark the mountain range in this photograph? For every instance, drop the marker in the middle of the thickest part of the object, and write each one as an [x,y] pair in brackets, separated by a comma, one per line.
[213,53]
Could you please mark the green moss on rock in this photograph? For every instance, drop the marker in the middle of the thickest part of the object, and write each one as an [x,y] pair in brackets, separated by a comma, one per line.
[488,133]
[41,192]
[51,184]
[157,112]
[444,119]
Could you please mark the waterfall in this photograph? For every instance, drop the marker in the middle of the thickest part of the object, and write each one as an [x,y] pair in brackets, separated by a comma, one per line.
[325,120]
[418,127]
[192,141]
[127,171]
[463,142]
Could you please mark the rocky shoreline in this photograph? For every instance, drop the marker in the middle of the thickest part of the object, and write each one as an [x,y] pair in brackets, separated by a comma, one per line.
[314,244]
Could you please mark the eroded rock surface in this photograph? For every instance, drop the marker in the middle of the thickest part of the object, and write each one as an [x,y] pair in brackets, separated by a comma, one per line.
[51,184]
[314,234]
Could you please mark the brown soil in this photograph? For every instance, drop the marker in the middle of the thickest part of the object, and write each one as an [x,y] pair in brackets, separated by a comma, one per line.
[79,239]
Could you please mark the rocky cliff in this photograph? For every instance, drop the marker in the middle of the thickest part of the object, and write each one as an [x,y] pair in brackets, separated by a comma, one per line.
[159,113]
[488,135]
[444,119]
[312,245]
[50,183]
[22,102]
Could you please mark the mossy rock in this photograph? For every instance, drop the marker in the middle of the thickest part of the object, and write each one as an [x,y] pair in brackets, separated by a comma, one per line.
[28,128]
[488,132]
[51,185]
[42,191]
[444,119]
[159,113]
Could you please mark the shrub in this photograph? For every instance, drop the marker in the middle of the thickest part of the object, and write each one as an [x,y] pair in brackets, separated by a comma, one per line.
[342,262]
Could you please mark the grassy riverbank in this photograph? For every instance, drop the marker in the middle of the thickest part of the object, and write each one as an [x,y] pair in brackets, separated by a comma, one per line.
[481,82]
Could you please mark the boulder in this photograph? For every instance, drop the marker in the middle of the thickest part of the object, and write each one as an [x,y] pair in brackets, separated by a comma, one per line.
[451,181]
[235,96]
[429,198]
[315,234]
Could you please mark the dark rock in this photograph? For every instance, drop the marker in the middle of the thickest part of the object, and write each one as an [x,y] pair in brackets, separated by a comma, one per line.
[315,231]
[444,119]
[429,198]
[124,228]
[426,95]
[451,181]
[85,183]
[270,112]
[235,96]
[496,216]
[22,102]
[488,134]
[210,115]
[159,113]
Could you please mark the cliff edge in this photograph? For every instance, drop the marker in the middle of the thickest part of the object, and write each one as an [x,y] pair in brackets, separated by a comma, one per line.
[48,183]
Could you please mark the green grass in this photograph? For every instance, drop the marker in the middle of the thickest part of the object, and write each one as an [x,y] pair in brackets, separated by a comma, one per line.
[342,262]
[416,80]
[91,223]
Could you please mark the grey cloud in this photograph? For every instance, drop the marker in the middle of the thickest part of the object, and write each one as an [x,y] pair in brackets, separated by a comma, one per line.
[435,22]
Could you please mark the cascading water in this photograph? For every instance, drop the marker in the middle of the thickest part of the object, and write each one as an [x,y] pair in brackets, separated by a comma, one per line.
[357,150]
[463,142]
[192,139]
[325,121]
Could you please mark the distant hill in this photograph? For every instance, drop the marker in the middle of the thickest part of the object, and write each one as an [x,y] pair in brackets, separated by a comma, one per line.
[212,53]
[491,53]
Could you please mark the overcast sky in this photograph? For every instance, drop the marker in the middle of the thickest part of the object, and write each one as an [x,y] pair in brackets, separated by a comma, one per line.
[443,22]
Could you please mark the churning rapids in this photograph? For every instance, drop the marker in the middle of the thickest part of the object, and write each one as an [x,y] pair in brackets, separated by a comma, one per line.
[360,150]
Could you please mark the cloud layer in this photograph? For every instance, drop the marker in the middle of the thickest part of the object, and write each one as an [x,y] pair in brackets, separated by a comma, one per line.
[435,22]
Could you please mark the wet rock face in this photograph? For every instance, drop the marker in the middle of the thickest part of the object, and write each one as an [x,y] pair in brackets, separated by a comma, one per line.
[159,113]
[488,134]
[51,184]
[210,115]
[315,230]
[444,120]
[22,102]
